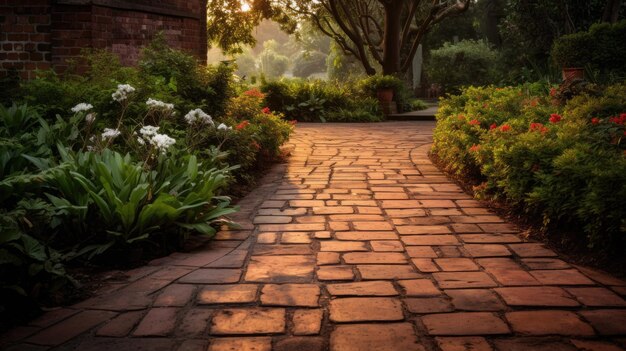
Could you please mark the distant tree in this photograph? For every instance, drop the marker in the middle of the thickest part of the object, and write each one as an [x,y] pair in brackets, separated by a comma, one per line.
[307,63]
[272,64]
[246,64]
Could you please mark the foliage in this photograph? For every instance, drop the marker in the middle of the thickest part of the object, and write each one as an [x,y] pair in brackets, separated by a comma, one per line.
[600,49]
[129,167]
[358,27]
[342,67]
[468,62]
[401,94]
[259,133]
[307,63]
[529,28]
[566,167]
[318,100]
[272,63]
[164,73]
[572,50]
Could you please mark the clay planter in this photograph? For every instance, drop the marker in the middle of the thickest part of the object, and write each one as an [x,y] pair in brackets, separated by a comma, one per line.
[385,95]
[571,73]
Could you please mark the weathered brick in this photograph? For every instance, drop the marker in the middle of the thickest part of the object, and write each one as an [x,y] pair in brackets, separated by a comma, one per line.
[361,309]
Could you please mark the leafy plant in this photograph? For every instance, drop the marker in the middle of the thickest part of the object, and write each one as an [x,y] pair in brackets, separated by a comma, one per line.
[468,62]
[559,164]
[129,202]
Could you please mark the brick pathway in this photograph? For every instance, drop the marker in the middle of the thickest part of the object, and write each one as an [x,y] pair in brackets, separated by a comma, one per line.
[358,243]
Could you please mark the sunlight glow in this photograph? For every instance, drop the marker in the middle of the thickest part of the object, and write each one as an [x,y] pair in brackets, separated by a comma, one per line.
[245,7]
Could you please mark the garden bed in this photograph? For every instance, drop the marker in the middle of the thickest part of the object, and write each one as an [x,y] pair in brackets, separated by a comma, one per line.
[119,165]
[557,167]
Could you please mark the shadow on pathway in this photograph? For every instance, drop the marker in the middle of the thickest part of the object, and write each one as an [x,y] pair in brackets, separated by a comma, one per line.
[358,243]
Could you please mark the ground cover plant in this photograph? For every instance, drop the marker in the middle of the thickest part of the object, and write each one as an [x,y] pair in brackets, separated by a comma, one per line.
[121,163]
[563,164]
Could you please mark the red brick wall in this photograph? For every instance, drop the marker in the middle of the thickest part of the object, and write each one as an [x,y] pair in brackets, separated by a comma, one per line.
[125,32]
[25,36]
[39,34]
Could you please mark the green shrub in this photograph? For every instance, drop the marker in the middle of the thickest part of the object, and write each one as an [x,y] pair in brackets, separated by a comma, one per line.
[600,49]
[573,50]
[316,100]
[468,62]
[565,167]
[401,94]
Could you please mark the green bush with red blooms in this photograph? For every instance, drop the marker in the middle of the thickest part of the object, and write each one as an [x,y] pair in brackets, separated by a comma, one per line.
[259,132]
[564,164]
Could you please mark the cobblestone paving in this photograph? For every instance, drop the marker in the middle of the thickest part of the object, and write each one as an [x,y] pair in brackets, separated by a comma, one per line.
[358,243]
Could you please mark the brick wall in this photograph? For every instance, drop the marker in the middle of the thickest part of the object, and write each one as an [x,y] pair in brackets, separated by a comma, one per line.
[39,34]
[25,36]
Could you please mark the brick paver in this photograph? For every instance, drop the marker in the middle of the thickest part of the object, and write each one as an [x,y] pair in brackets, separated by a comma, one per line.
[356,243]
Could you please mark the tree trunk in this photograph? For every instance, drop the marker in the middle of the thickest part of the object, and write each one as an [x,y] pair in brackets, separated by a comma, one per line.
[392,35]
[611,11]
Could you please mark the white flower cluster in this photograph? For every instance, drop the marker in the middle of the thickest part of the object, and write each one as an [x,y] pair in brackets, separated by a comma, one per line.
[222,126]
[162,142]
[82,107]
[148,131]
[122,92]
[150,134]
[200,116]
[110,133]
[156,104]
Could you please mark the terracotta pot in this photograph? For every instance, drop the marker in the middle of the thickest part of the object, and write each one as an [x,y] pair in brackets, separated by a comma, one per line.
[385,95]
[570,73]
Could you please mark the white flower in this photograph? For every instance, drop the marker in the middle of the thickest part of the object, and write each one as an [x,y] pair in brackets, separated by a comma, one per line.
[82,107]
[110,133]
[148,131]
[141,141]
[222,126]
[156,104]
[122,92]
[162,142]
[198,115]
[90,118]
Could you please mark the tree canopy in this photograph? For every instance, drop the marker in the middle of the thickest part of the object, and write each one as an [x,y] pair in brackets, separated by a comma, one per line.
[383,33]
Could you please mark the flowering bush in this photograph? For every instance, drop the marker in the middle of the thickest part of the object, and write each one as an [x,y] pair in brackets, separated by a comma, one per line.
[564,164]
[121,160]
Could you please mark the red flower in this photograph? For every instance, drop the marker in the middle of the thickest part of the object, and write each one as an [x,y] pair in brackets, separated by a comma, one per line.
[266,110]
[493,126]
[474,148]
[554,118]
[534,102]
[535,127]
[254,93]
[595,120]
[619,120]
[552,92]
[474,122]
[505,128]
[461,117]
[242,125]
[255,145]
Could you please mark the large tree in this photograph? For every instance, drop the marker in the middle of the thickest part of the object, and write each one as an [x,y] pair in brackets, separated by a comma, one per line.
[384,31]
